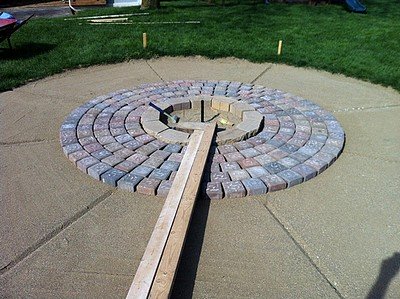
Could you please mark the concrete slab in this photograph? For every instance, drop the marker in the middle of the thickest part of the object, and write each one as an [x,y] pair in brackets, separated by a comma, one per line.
[82,85]
[199,68]
[343,237]
[95,257]
[28,117]
[331,91]
[40,191]
[244,253]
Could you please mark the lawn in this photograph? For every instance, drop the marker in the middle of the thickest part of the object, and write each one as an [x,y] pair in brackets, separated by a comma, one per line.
[324,37]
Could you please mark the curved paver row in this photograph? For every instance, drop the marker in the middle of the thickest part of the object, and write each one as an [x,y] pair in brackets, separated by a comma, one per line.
[297,141]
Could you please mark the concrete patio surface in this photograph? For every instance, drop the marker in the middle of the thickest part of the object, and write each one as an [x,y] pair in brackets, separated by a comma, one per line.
[65,235]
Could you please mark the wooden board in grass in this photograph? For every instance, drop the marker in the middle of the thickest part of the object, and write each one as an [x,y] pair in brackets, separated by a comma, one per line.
[88,2]
[157,268]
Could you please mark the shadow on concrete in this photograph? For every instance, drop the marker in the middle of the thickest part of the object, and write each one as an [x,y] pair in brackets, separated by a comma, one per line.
[23,51]
[389,269]
[187,270]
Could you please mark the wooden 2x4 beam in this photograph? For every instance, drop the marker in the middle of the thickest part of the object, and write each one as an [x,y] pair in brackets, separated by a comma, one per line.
[157,269]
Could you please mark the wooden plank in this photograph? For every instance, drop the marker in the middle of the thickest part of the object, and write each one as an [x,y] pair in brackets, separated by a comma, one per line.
[146,271]
[166,271]
[108,20]
[88,2]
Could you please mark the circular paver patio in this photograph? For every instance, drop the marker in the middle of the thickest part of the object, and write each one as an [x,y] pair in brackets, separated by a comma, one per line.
[296,141]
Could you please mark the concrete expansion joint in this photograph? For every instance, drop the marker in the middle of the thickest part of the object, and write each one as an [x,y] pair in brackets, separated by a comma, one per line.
[98,273]
[262,73]
[28,142]
[55,232]
[356,109]
[155,72]
[303,250]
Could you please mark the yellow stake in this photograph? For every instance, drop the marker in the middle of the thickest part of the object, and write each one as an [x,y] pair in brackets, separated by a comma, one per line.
[144,40]
[280,47]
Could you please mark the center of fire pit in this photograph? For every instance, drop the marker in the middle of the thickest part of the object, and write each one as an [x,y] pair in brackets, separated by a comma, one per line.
[236,120]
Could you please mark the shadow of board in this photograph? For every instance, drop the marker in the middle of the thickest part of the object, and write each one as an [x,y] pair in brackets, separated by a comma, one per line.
[24,50]
[187,270]
[389,269]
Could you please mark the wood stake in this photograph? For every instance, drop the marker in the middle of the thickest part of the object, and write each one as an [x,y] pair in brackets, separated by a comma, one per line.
[144,40]
[280,47]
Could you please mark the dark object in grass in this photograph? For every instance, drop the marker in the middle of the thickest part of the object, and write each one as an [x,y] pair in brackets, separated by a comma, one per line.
[356,6]
[9,26]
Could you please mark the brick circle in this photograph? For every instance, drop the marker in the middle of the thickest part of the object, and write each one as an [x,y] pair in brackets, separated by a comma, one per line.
[297,141]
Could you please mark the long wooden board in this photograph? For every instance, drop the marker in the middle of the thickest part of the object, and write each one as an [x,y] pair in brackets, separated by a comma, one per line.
[88,2]
[146,272]
[166,271]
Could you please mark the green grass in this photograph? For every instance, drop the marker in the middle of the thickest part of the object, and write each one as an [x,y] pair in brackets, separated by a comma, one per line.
[324,37]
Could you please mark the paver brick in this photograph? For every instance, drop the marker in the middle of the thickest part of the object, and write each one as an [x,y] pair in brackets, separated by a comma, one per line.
[173,148]
[113,147]
[289,162]
[242,145]
[173,136]
[153,162]
[291,177]
[85,163]
[317,164]
[142,170]
[225,149]
[233,157]
[274,167]
[112,160]
[234,189]
[78,155]
[214,190]
[257,171]
[164,188]
[124,153]
[97,170]
[145,138]
[264,159]
[238,108]
[254,186]
[250,152]
[112,176]
[106,140]
[170,165]
[160,174]
[70,148]
[126,166]
[177,157]
[307,172]
[137,158]
[238,175]
[148,186]
[248,162]
[129,182]
[146,149]
[227,166]
[133,144]
[274,182]
[124,138]
[161,154]
[219,177]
